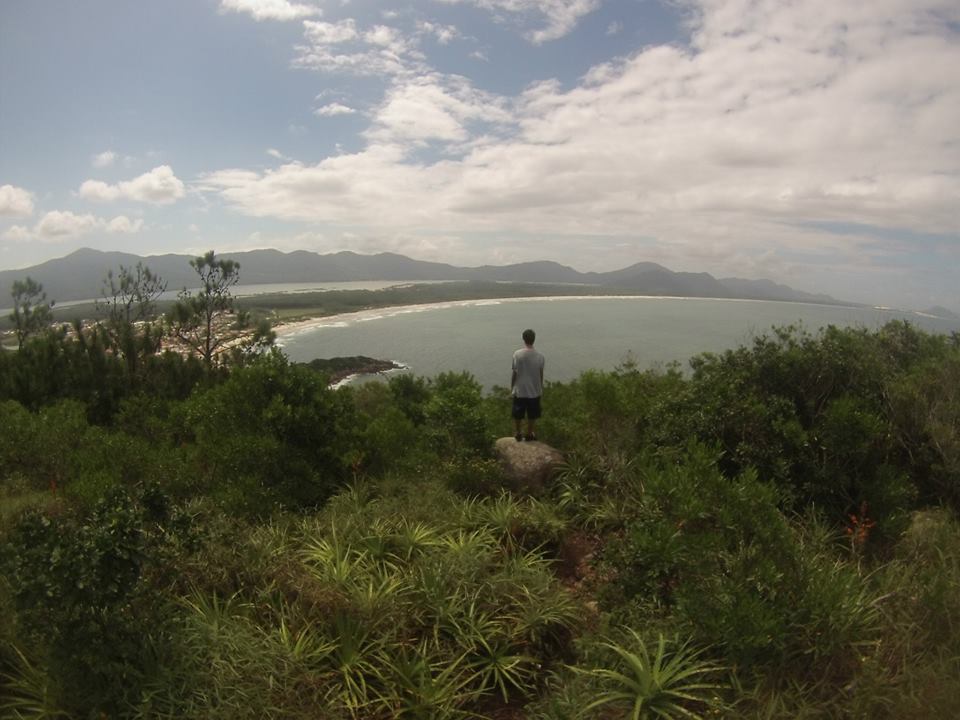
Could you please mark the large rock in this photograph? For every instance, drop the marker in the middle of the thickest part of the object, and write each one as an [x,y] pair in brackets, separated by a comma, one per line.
[528,466]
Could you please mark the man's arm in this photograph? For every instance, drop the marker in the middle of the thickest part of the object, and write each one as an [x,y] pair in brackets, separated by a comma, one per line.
[513,379]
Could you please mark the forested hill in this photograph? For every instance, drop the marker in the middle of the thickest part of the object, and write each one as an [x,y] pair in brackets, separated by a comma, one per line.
[80,275]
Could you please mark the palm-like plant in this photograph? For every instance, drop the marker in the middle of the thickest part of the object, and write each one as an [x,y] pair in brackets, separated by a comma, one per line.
[28,692]
[303,644]
[335,561]
[503,517]
[542,613]
[469,544]
[498,665]
[413,538]
[374,594]
[419,689]
[354,658]
[666,685]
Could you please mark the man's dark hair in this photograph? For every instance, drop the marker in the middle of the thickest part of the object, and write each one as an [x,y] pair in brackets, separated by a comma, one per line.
[529,336]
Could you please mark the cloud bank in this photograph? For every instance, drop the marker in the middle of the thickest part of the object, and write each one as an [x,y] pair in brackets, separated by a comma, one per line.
[15,202]
[269,9]
[59,226]
[557,17]
[158,187]
[773,117]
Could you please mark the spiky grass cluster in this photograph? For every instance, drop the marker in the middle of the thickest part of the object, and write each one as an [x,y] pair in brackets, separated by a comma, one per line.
[415,619]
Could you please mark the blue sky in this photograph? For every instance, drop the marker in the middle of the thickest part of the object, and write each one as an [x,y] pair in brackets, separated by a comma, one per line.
[815,143]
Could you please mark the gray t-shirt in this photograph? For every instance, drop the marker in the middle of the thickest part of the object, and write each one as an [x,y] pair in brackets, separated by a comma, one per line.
[528,364]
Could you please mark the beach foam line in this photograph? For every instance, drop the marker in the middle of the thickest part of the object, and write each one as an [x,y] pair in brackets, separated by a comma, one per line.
[347,319]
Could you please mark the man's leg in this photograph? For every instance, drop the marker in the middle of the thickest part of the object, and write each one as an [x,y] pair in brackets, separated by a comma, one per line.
[517,412]
[533,413]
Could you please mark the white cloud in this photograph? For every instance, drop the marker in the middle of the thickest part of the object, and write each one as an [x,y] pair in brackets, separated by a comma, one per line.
[615,28]
[17,233]
[15,202]
[57,225]
[325,33]
[104,159]
[274,153]
[777,118]
[443,33]
[334,109]
[340,47]
[99,191]
[62,225]
[270,9]
[558,16]
[124,225]
[159,187]
[433,107]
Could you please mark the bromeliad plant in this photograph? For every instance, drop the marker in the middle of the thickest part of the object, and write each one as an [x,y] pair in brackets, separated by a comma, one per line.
[434,620]
[665,685]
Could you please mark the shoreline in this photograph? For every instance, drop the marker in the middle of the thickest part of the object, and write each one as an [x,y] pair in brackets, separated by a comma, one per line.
[295,327]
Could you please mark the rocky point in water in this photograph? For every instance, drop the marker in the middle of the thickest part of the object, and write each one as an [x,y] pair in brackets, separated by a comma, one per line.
[338,368]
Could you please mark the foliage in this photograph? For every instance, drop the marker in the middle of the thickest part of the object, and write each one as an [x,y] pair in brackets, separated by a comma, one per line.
[128,303]
[206,320]
[29,693]
[453,416]
[362,612]
[32,312]
[273,434]
[789,505]
[925,410]
[389,439]
[719,555]
[76,591]
[664,684]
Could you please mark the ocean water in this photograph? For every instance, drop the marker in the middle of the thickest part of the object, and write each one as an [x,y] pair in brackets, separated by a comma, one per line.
[574,334]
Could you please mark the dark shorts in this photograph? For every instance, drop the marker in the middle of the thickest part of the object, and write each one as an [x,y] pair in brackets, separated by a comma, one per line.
[526,406]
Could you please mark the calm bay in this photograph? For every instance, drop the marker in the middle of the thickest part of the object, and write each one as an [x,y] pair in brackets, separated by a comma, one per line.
[575,333]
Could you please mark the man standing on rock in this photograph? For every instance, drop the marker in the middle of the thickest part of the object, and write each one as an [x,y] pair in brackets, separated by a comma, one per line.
[526,385]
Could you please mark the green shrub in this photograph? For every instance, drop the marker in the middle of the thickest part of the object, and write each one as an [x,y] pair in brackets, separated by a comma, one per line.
[388,439]
[454,419]
[720,556]
[925,414]
[76,588]
[272,435]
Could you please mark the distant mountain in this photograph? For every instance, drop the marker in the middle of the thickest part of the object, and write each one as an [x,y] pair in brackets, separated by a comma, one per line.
[769,290]
[80,275]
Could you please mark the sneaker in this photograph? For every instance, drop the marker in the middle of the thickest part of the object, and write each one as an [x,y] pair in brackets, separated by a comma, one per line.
[530,438]
[519,437]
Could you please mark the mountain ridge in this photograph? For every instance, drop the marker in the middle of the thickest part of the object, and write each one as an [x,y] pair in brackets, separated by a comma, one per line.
[80,275]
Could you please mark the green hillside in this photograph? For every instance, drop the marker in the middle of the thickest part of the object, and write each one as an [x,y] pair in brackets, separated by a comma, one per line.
[773,534]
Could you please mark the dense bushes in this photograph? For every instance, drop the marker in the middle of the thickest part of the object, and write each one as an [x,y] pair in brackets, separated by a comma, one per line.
[772,534]
[272,435]
[81,606]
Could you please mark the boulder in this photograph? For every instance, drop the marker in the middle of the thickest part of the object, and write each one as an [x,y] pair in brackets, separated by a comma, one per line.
[527,466]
